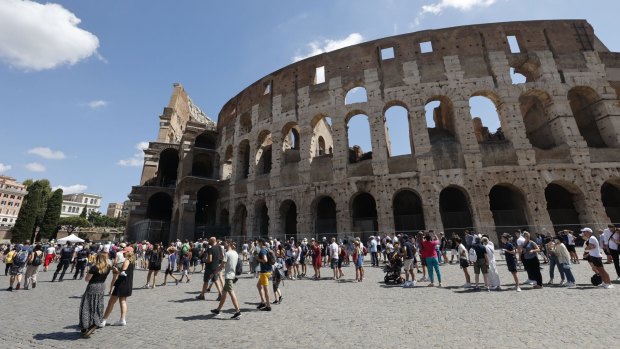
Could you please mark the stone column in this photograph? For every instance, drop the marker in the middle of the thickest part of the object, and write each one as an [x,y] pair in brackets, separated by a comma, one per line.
[513,127]
[464,133]
[421,140]
[379,142]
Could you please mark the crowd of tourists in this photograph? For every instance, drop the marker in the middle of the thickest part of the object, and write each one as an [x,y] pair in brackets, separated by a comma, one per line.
[272,261]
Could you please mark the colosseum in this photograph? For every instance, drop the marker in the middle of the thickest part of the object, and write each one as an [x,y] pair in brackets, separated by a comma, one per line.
[278,161]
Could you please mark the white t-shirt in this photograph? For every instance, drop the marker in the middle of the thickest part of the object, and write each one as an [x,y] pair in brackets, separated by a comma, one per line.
[571,240]
[490,252]
[231,258]
[612,243]
[50,250]
[605,236]
[520,241]
[462,252]
[333,250]
[594,252]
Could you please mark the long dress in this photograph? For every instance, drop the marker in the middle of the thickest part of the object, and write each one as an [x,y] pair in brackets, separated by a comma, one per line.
[91,306]
[124,285]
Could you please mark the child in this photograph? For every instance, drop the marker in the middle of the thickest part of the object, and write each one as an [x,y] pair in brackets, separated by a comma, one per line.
[172,261]
[185,266]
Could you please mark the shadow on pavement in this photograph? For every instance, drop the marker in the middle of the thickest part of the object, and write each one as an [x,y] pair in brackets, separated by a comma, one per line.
[196,317]
[59,336]
[184,300]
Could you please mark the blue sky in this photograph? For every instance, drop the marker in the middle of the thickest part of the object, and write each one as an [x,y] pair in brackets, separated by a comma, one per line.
[79,98]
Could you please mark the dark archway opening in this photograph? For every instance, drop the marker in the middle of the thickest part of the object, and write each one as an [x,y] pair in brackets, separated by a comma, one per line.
[583,103]
[224,218]
[239,223]
[364,213]
[206,140]
[288,214]
[203,166]
[561,208]
[244,160]
[610,195]
[262,219]
[206,206]
[325,223]
[408,212]
[159,207]
[508,208]
[455,211]
[167,168]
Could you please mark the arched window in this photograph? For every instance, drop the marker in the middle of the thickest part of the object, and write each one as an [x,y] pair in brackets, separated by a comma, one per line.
[408,212]
[534,105]
[455,210]
[227,165]
[206,140]
[243,160]
[399,137]
[584,103]
[206,206]
[291,143]
[264,153]
[322,139]
[324,209]
[561,207]
[203,166]
[358,136]
[364,213]
[288,218]
[508,206]
[356,95]
[167,168]
[440,120]
[245,123]
[487,124]
[159,207]
[261,220]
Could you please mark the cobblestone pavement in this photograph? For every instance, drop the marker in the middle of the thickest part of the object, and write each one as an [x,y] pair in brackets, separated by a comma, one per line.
[339,314]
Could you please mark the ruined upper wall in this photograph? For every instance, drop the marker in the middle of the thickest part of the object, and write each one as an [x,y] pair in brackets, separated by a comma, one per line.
[565,39]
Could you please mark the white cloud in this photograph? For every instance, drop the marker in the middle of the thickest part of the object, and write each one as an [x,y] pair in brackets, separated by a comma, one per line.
[72,189]
[97,104]
[316,48]
[462,5]
[35,167]
[138,158]
[36,36]
[47,153]
[4,168]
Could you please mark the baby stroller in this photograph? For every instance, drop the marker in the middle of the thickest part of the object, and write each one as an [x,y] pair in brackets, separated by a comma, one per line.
[392,272]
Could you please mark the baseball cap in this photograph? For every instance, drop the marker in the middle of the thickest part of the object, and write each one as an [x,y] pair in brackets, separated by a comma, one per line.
[586,230]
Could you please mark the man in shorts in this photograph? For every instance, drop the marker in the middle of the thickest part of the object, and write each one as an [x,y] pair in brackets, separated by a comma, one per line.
[333,258]
[481,263]
[230,264]
[408,253]
[265,273]
[595,258]
[212,263]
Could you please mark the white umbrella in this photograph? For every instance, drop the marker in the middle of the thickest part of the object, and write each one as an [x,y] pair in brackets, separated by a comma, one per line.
[70,238]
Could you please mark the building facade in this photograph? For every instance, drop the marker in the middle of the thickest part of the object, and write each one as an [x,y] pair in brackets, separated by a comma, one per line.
[11,198]
[279,159]
[73,204]
[118,210]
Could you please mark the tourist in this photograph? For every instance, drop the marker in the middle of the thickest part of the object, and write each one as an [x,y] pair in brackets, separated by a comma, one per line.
[419,238]
[316,259]
[333,258]
[443,245]
[342,256]
[530,260]
[481,264]
[35,259]
[324,252]
[303,254]
[263,280]
[18,267]
[123,288]
[245,249]
[407,253]
[82,259]
[510,253]
[185,264]
[570,245]
[155,258]
[8,260]
[358,257]
[286,253]
[553,262]
[429,253]
[172,260]
[91,306]
[595,258]
[66,256]
[563,259]
[231,257]
[453,248]
[613,242]
[463,261]
[50,254]
[213,259]
[494,283]
[372,246]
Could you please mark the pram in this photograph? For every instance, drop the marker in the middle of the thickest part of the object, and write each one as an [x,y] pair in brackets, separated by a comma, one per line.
[392,272]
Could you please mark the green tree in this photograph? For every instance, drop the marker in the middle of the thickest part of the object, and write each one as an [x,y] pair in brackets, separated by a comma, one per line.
[52,215]
[46,194]
[83,214]
[99,220]
[27,217]
[71,223]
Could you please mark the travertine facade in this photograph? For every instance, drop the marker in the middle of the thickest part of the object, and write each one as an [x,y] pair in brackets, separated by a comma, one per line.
[275,165]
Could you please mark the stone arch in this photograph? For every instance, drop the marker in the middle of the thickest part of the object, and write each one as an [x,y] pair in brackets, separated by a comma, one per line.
[509,208]
[535,108]
[455,210]
[565,205]
[206,206]
[159,207]
[167,167]
[224,217]
[264,153]
[324,213]
[239,222]
[288,218]
[228,161]
[321,130]
[245,123]
[440,115]
[398,130]
[356,127]
[584,103]
[203,165]
[488,125]
[363,213]
[206,140]
[610,196]
[243,159]
[356,94]
[291,143]
[408,211]
[261,218]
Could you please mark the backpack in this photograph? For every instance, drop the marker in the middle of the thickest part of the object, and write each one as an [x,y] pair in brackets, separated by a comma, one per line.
[271,257]
[184,249]
[36,259]
[596,280]
[473,256]
[21,258]
[154,257]
[364,250]
[239,267]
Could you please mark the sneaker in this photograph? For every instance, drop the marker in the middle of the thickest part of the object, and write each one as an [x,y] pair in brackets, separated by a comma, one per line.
[550,282]
[406,284]
[412,285]
[608,286]
[602,284]
[570,284]
[518,289]
[275,302]
[266,309]
[102,324]
[562,283]
[120,323]
[215,312]
[201,297]
[34,284]
[261,306]
[10,288]
[466,285]
[237,316]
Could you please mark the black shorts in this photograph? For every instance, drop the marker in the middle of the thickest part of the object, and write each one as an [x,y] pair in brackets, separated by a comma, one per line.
[209,275]
[464,263]
[169,271]
[423,261]
[154,266]
[571,248]
[302,260]
[512,266]
[596,261]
